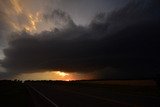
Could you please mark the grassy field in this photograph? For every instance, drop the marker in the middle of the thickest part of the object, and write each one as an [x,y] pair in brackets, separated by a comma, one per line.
[133,87]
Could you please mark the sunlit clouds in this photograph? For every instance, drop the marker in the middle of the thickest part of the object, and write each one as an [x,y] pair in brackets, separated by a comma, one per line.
[17,6]
[21,16]
[33,21]
[24,19]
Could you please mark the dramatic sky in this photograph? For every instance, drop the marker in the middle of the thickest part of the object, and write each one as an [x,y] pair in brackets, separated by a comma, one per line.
[79,39]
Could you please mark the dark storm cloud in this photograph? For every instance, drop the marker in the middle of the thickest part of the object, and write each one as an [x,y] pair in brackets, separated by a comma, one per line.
[3,28]
[82,11]
[134,12]
[127,52]
[59,18]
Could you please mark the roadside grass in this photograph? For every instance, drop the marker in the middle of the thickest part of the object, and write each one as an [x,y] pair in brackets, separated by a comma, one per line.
[13,94]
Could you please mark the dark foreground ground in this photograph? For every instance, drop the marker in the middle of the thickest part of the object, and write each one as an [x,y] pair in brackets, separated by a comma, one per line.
[14,94]
[77,94]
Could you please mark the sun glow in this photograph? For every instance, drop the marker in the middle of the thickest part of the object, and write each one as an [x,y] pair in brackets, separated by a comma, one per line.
[63,74]
[53,75]
[47,75]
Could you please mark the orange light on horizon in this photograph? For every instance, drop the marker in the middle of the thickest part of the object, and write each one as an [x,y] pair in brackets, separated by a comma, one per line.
[54,75]
[47,75]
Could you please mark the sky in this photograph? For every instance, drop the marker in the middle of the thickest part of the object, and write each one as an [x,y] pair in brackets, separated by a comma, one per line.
[79,39]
